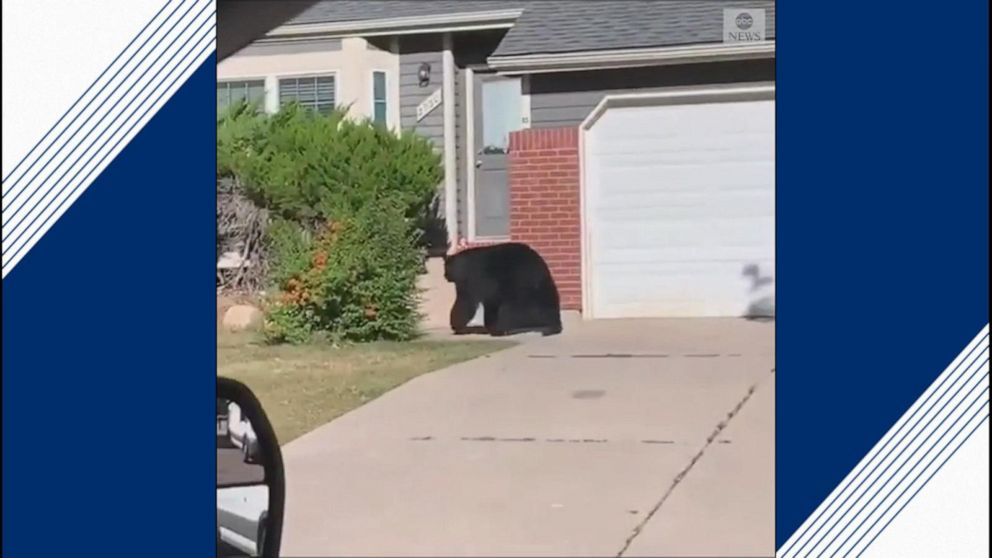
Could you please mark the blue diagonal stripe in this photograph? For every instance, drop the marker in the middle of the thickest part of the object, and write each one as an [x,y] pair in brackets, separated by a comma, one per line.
[911,424]
[982,411]
[832,521]
[61,156]
[70,155]
[837,525]
[110,82]
[842,528]
[18,224]
[76,102]
[926,482]
[204,51]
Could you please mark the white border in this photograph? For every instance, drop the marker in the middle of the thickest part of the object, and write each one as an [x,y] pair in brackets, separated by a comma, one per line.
[680,95]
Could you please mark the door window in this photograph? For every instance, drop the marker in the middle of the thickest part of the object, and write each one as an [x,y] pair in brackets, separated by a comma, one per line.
[501,114]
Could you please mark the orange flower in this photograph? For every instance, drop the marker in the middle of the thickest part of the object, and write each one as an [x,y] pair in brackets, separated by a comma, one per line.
[320,259]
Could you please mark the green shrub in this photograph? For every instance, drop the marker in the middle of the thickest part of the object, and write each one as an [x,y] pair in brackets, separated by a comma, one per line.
[349,202]
[309,168]
[239,133]
[355,279]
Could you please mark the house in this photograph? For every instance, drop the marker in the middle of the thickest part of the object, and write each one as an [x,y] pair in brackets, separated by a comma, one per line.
[630,142]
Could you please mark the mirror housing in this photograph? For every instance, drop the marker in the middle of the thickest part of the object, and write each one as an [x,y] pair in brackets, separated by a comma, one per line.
[240,417]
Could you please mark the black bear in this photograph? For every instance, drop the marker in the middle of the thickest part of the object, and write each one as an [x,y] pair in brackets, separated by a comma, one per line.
[512,283]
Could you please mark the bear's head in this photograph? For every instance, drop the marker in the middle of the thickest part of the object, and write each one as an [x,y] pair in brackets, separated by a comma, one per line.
[454,268]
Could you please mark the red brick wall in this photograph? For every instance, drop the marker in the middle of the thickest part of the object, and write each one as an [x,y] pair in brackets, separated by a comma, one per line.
[544,203]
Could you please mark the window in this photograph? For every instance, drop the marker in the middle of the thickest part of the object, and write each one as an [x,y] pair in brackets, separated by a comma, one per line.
[500,113]
[379,112]
[230,92]
[315,93]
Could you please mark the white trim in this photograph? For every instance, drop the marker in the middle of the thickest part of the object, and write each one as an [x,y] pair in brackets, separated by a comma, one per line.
[524,102]
[470,157]
[396,121]
[499,19]
[450,155]
[272,93]
[387,99]
[680,95]
[241,79]
[492,239]
[308,73]
[625,58]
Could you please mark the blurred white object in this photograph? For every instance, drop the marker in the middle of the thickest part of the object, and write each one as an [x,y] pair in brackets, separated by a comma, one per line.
[241,514]
[242,434]
[232,260]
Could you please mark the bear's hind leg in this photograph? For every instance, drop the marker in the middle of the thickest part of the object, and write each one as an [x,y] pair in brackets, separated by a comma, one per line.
[491,319]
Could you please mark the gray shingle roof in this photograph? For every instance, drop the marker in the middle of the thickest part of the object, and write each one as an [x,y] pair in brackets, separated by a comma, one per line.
[558,26]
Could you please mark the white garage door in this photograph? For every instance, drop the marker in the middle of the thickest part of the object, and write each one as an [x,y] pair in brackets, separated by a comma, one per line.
[680,209]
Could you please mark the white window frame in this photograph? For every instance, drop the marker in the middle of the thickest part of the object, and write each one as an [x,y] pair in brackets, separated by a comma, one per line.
[386,98]
[309,74]
[240,79]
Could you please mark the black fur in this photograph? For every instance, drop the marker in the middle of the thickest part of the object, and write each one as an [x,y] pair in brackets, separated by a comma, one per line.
[512,283]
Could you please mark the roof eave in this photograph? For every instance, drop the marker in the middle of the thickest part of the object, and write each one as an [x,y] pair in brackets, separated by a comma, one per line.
[440,23]
[629,58]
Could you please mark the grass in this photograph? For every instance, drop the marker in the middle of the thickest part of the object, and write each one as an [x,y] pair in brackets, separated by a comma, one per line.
[305,386]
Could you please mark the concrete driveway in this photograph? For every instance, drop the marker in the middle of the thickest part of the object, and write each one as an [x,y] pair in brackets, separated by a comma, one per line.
[632,437]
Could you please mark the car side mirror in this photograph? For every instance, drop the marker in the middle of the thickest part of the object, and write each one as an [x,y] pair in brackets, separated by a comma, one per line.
[251,486]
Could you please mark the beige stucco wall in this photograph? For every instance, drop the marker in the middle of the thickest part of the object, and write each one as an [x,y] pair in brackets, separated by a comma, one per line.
[351,60]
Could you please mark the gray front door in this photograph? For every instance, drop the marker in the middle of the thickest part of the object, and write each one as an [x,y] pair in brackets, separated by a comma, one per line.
[498,112]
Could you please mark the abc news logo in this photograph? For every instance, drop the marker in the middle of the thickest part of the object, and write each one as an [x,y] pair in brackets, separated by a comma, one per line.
[743,26]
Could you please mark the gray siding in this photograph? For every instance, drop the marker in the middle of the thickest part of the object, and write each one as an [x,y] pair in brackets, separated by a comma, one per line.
[565,99]
[315,45]
[412,55]
[413,52]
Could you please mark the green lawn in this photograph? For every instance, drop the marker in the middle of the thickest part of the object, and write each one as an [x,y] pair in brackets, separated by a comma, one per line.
[303,387]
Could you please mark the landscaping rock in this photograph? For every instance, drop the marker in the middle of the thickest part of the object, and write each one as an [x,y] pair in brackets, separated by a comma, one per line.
[242,316]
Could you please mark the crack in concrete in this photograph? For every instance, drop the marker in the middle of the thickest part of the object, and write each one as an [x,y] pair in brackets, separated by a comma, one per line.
[636,355]
[548,440]
[682,474]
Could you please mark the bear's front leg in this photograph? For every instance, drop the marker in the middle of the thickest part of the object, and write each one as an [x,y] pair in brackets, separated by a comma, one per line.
[462,311]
